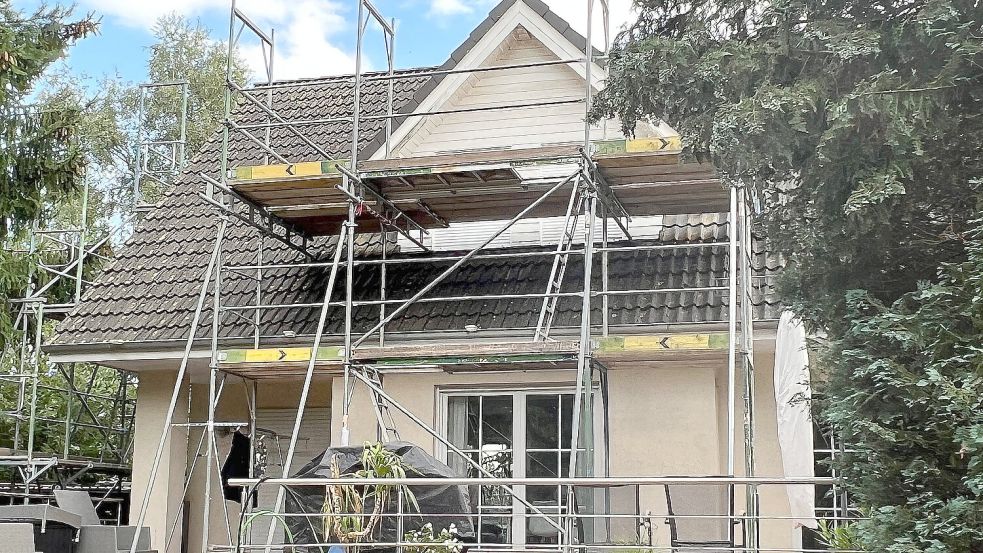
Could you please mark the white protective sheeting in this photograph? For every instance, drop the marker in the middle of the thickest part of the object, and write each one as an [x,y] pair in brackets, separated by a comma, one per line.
[792,394]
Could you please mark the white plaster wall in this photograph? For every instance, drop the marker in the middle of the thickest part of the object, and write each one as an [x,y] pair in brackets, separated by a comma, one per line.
[153,399]
[667,419]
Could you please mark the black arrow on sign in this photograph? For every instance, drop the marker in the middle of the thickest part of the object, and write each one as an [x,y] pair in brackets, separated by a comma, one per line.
[665,143]
[282,355]
[290,169]
[664,342]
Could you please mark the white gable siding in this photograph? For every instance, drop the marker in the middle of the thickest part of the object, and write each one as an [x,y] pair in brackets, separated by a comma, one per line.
[518,128]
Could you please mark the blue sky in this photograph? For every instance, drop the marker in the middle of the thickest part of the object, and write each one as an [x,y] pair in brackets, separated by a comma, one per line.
[314,37]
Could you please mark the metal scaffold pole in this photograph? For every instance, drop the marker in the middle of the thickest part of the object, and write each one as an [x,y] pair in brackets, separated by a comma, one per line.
[210,271]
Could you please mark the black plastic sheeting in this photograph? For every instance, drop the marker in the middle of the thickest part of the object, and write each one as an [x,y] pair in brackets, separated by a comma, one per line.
[433,501]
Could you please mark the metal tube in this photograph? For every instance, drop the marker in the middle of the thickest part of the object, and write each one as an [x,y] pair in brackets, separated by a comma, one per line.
[281,122]
[382,287]
[378,16]
[450,270]
[212,400]
[137,200]
[390,90]
[605,272]
[182,369]
[413,74]
[732,333]
[236,13]
[350,237]
[533,295]
[39,325]
[580,482]
[83,226]
[68,409]
[302,405]
[227,110]
[449,258]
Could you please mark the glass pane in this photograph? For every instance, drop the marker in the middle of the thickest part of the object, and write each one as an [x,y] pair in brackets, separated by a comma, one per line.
[462,421]
[495,496]
[542,464]
[496,422]
[542,422]
[497,463]
[461,466]
[566,420]
[542,495]
[496,529]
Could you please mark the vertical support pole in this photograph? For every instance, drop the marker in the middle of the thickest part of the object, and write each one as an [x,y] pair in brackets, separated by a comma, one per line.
[732,231]
[350,234]
[183,144]
[227,113]
[82,234]
[747,362]
[605,273]
[305,391]
[258,315]
[22,373]
[70,375]
[590,211]
[391,56]
[269,96]
[179,380]
[137,161]
[584,362]
[210,457]
[36,376]
[382,285]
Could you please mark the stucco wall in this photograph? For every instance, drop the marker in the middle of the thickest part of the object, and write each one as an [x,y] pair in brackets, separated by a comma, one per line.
[153,400]
[664,419]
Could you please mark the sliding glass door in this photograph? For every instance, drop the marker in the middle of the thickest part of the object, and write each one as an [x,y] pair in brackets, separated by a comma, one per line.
[513,433]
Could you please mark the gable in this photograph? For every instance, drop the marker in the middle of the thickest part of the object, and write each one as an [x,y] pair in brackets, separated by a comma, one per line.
[516,32]
[511,128]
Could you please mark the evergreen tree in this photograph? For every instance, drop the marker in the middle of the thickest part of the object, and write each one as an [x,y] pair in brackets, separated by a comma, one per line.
[857,125]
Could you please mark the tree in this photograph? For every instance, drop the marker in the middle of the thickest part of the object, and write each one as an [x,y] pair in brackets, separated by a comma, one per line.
[908,398]
[857,124]
[103,138]
[183,51]
[40,162]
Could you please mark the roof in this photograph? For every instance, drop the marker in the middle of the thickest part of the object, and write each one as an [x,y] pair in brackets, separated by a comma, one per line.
[149,293]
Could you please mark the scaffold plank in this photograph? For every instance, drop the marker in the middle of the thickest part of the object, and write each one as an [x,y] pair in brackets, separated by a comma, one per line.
[292,361]
[642,174]
[659,346]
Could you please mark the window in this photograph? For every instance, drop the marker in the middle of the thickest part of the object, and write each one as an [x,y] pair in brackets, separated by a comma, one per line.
[513,433]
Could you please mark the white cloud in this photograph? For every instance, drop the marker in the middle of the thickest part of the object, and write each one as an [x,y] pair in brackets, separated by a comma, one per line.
[313,37]
[444,8]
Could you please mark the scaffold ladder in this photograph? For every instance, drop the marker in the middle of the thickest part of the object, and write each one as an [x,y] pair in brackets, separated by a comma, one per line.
[552,299]
[384,416]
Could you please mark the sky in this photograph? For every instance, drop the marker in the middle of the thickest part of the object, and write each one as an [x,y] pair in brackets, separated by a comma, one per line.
[313,37]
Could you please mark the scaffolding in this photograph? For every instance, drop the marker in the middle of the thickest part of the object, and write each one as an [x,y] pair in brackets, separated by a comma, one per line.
[158,159]
[56,405]
[299,202]
[86,399]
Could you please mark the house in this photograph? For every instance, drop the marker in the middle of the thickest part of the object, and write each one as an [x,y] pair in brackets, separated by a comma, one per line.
[468,367]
